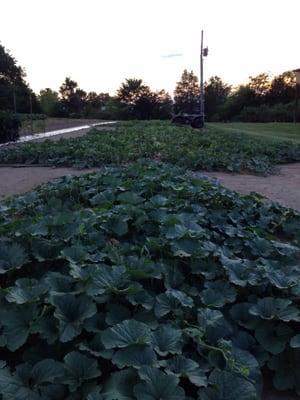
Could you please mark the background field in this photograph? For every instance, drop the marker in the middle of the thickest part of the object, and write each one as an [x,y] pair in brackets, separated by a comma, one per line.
[273,130]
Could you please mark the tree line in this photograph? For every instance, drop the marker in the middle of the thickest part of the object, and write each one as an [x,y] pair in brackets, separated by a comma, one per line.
[262,99]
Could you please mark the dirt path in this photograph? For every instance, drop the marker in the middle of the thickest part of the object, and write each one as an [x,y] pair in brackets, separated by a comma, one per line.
[283,188]
[21,180]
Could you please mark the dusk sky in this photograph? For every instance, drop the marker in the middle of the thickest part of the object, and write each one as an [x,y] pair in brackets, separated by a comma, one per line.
[100,43]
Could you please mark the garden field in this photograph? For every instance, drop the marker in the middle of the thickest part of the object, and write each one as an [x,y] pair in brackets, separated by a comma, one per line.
[211,149]
[143,281]
[273,130]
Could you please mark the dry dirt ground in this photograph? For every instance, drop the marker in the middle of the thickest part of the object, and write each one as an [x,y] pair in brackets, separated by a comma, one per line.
[23,179]
[283,188]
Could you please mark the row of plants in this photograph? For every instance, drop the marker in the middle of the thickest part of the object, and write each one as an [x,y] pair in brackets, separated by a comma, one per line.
[145,283]
[208,149]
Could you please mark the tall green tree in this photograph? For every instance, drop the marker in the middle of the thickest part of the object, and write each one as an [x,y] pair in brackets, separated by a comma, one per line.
[282,89]
[186,94]
[136,99]
[216,94]
[15,94]
[163,105]
[140,102]
[72,98]
[49,101]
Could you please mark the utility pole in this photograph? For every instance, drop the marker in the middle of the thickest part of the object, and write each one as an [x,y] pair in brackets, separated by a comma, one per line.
[31,121]
[14,98]
[297,91]
[203,53]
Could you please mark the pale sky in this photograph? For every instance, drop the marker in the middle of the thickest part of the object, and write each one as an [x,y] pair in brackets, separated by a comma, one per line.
[99,43]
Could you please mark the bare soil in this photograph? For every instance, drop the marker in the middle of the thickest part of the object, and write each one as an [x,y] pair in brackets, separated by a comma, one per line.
[23,179]
[283,188]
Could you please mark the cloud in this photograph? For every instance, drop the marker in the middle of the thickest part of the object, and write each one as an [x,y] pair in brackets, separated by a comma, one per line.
[172,55]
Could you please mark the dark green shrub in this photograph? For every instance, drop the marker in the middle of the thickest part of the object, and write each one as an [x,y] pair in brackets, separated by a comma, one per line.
[9,126]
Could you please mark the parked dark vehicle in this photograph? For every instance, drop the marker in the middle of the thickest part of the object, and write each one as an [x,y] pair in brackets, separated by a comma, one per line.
[195,120]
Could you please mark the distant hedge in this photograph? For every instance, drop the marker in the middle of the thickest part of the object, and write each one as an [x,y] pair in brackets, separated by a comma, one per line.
[34,117]
[9,126]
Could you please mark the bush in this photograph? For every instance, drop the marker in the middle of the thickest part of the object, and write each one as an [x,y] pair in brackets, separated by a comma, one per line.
[33,117]
[265,113]
[9,127]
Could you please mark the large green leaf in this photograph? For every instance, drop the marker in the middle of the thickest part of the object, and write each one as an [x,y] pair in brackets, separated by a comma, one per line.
[172,300]
[218,293]
[76,253]
[12,256]
[17,324]
[158,385]
[79,368]
[271,308]
[186,368]
[71,313]
[107,279]
[295,341]
[228,386]
[167,340]
[287,370]
[120,385]
[134,356]
[273,338]
[130,198]
[28,382]
[96,348]
[26,291]
[127,333]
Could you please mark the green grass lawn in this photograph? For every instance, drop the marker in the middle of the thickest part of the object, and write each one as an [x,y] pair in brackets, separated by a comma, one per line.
[274,130]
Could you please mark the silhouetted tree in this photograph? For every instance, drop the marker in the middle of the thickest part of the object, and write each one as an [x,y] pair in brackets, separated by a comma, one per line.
[186,94]
[136,99]
[14,91]
[49,101]
[216,94]
[72,98]
[163,105]
[282,88]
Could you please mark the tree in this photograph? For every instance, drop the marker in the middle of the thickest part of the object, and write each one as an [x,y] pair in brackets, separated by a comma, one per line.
[242,97]
[260,85]
[136,99]
[95,104]
[14,91]
[216,94]
[186,94]
[163,105]
[49,101]
[282,88]
[73,99]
